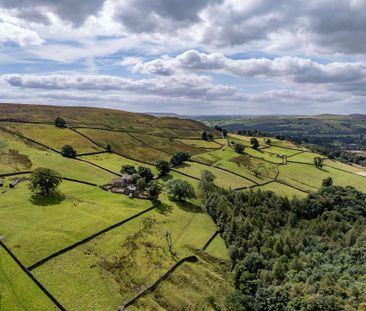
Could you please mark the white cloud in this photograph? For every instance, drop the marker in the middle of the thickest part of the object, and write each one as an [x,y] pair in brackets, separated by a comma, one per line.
[192,86]
[294,69]
[18,35]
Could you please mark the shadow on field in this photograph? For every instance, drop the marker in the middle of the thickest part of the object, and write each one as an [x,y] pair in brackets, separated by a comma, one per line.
[55,198]
[164,208]
[190,207]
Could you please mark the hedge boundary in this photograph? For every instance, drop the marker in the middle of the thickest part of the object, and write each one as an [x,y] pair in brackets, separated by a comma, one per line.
[32,277]
[149,289]
[87,239]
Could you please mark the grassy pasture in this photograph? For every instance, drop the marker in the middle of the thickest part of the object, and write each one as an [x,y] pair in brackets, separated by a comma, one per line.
[306,157]
[200,143]
[309,177]
[53,137]
[223,179]
[35,228]
[283,190]
[252,168]
[281,151]
[262,155]
[123,261]
[124,144]
[30,156]
[18,292]
[168,146]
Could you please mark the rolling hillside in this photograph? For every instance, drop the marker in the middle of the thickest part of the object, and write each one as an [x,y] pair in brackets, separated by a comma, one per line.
[95,250]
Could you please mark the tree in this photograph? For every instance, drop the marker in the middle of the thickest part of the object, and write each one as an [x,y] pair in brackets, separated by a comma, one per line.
[224,133]
[109,148]
[179,158]
[68,151]
[255,143]
[210,137]
[268,141]
[206,184]
[318,162]
[204,135]
[59,122]
[141,184]
[327,182]
[180,190]
[146,173]
[44,181]
[128,169]
[163,167]
[154,189]
[239,148]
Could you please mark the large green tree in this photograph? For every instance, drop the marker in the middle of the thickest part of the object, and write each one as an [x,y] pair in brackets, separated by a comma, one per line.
[127,169]
[44,181]
[163,167]
[180,190]
[146,173]
[154,189]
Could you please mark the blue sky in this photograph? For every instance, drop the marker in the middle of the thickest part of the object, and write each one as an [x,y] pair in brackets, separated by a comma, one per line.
[203,57]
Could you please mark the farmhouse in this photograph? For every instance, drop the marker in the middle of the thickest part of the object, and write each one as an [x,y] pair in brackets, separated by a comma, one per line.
[122,182]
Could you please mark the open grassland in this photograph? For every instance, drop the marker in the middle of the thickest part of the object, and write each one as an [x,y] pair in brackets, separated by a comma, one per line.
[309,177]
[126,145]
[101,117]
[223,178]
[305,157]
[129,258]
[254,169]
[184,290]
[166,145]
[281,151]
[199,143]
[283,190]
[52,136]
[18,292]
[20,155]
[34,228]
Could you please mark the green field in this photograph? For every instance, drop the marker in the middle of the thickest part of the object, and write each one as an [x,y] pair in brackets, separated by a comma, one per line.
[17,290]
[28,156]
[223,178]
[53,137]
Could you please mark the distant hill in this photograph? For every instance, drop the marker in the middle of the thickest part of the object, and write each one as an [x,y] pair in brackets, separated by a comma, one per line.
[109,118]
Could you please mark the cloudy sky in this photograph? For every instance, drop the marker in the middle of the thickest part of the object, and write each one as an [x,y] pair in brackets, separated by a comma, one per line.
[190,57]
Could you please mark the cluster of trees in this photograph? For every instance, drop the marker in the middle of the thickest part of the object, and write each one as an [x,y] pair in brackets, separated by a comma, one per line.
[221,130]
[307,254]
[179,158]
[207,136]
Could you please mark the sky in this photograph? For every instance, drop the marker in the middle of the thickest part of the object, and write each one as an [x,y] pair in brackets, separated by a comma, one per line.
[195,57]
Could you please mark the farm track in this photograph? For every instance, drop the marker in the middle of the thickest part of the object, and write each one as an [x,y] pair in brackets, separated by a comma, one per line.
[88,239]
[32,277]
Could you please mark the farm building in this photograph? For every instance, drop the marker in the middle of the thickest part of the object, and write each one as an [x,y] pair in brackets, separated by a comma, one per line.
[122,182]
